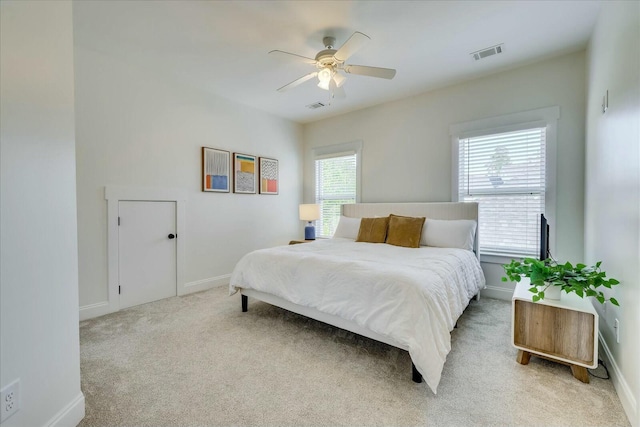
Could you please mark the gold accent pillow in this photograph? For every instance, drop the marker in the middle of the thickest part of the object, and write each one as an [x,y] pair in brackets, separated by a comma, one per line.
[405,231]
[373,230]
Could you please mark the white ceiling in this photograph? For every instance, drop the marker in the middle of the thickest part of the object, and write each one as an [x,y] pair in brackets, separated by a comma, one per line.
[222,46]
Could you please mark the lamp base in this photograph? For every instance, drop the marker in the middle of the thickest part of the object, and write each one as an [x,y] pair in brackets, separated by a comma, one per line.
[310,232]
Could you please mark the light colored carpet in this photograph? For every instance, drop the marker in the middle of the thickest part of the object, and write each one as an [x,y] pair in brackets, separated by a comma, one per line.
[199,361]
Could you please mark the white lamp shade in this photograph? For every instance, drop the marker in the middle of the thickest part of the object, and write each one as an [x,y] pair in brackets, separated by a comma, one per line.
[324,75]
[339,79]
[323,85]
[309,212]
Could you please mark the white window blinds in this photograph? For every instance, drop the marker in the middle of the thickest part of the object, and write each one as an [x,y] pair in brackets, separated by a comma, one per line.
[505,173]
[335,186]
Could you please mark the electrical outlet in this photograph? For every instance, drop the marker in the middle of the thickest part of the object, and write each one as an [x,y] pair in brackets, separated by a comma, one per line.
[616,326]
[10,400]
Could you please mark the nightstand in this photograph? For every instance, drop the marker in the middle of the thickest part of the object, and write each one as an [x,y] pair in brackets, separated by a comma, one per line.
[565,330]
[295,242]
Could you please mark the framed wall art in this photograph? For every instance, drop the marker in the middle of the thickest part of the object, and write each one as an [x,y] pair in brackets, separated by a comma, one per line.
[244,173]
[215,170]
[268,175]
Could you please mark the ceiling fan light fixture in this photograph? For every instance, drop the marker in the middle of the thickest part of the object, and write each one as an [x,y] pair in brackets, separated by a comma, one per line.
[324,85]
[339,79]
[324,76]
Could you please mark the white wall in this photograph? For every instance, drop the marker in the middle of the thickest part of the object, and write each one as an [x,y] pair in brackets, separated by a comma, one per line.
[38,246]
[612,189]
[406,154]
[140,128]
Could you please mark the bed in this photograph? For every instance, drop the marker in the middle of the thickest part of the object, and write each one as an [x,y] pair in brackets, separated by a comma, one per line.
[408,298]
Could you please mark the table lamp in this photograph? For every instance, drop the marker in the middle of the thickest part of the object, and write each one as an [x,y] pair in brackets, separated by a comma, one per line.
[309,213]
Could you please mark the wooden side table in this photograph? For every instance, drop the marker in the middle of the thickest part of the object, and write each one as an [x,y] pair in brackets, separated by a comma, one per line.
[295,242]
[565,330]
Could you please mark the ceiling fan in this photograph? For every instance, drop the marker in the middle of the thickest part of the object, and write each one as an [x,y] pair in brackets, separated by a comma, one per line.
[330,64]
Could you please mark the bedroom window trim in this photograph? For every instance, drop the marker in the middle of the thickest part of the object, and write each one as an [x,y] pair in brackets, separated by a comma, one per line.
[333,151]
[542,117]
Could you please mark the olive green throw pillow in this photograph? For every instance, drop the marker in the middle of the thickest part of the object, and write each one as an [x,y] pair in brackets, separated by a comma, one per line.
[405,231]
[373,230]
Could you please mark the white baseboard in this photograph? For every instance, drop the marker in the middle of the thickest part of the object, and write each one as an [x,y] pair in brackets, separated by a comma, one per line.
[204,284]
[497,293]
[70,415]
[101,308]
[619,383]
[94,310]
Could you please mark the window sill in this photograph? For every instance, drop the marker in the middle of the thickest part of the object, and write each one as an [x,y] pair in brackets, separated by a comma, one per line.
[499,259]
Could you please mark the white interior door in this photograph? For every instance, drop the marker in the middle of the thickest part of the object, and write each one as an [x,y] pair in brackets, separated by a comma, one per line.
[146,251]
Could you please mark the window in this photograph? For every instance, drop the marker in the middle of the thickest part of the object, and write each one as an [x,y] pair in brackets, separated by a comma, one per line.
[335,186]
[507,164]
[505,173]
[336,183]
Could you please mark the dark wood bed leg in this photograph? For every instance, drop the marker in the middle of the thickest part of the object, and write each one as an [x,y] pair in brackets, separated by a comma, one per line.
[415,375]
[245,301]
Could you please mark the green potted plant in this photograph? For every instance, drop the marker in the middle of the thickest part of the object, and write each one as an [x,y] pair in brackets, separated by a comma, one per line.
[548,275]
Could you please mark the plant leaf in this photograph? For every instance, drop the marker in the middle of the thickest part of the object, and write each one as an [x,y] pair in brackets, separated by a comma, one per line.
[614,301]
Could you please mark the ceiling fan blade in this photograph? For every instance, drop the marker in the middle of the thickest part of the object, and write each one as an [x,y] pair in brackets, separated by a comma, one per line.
[292,56]
[298,81]
[363,70]
[351,46]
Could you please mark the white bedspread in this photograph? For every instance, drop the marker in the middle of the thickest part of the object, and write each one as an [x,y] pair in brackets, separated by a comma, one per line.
[412,295]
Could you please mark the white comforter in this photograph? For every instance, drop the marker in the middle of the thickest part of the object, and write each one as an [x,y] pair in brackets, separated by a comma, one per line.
[412,295]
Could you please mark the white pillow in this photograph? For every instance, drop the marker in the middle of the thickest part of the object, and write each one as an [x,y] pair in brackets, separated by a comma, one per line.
[347,227]
[458,233]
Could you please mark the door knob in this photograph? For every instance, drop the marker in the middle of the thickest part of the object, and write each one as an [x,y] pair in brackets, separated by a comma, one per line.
[171,236]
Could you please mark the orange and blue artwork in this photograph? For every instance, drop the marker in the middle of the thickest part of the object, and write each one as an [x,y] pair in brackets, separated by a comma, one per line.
[268,176]
[244,173]
[215,170]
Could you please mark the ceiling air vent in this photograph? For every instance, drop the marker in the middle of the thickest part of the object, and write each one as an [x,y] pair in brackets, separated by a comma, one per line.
[315,105]
[483,53]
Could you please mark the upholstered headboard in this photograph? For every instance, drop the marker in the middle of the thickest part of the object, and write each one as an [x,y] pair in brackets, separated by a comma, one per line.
[440,210]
